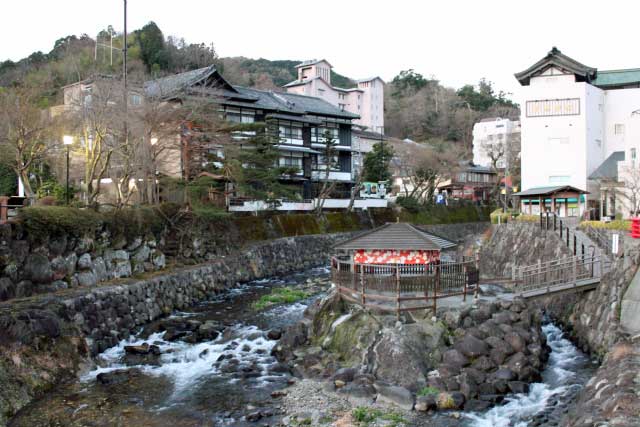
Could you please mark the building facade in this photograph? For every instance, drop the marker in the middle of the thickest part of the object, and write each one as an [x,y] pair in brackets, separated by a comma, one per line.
[366,100]
[573,118]
[299,123]
[492,137]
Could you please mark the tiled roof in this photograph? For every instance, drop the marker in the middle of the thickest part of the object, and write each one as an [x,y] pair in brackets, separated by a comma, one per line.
[242,96]
[399,236]
[311,62]
[608,78]
[608,170]
[560,60]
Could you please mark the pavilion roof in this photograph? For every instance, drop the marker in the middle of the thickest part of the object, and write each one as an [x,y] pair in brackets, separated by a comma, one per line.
[555,58]
[398,236]
[546,191]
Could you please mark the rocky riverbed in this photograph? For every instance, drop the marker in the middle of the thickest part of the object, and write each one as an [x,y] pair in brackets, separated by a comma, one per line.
[232,361]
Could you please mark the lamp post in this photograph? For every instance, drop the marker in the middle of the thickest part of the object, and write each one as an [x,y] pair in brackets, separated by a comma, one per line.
[67,140]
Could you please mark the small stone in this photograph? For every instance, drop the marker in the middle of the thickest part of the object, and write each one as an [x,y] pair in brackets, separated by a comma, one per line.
[339,383]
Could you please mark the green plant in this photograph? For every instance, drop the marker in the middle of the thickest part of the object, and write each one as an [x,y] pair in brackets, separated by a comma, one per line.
[622,225]
[409,203]
[364,416]
[425,391]
[280,296]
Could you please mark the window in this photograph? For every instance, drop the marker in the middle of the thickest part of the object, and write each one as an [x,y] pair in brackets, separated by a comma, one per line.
[318,134]
[342,106]
[290,132]
[292,160]
[321,163]
[341,96]
[238,115]
[618,129]
[633,155]
[553,107]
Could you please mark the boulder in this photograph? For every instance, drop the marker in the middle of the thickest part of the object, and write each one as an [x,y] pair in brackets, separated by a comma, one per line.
[518,387]
[500,344]
[426,403]
[59,268]
[37,269]
[157,259]
[450,400]
[497,356]
[504,374]
[515,341]
[454,357]
[118,376]
[84,262]
[476,405]
[274,334]
[7,289]
[483,363]
[471,346]
[142,254]
[394,395]
[345,375]
[87,278]
[517,362]
[100,269]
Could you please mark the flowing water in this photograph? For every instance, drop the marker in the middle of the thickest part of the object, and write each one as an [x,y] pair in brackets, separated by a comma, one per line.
[567,370]
[221,381]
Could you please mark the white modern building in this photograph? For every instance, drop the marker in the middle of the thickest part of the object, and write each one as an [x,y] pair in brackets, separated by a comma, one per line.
[573,119]
[491,137]
[366,100]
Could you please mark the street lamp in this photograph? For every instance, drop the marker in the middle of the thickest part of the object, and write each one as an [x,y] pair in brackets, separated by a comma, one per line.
[67,140]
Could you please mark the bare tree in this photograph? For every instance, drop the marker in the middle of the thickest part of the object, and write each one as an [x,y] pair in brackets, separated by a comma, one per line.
[25,131]
[631,189]
[423,167]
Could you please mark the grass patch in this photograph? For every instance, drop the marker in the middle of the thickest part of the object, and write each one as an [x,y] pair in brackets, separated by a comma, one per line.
[426,391]
[364,416]
[280,296]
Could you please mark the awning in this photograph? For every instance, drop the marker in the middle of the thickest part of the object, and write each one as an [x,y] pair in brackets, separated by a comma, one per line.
[296,149]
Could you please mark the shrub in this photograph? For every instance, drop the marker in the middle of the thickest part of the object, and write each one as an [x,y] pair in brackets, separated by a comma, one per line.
[409,203]
[618,224]
[43,221]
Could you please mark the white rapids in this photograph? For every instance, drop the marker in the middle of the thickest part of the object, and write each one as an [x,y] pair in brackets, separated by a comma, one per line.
[559,380]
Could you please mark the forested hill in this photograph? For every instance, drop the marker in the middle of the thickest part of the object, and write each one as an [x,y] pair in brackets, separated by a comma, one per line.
[416,107]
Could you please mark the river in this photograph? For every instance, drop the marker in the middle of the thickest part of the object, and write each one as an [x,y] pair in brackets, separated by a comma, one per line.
[221,382]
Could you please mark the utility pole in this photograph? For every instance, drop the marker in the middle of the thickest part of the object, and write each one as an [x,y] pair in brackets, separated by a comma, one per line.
[124,84]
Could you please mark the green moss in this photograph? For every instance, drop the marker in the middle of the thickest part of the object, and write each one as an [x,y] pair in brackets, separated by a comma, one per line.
[297,224]
[342,222]
[251,228]
[280,296]
[353,335]
[365,416]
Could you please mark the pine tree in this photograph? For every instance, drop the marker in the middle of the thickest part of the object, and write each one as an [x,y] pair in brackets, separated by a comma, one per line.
[376,163]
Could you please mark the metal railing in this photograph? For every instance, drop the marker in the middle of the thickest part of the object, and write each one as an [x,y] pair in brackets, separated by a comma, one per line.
[562,274]
[403,287]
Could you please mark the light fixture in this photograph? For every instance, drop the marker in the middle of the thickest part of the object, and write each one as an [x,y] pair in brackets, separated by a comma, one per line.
[67,140]
[154,141]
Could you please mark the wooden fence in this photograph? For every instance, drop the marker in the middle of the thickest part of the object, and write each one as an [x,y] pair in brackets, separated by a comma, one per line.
[403,287]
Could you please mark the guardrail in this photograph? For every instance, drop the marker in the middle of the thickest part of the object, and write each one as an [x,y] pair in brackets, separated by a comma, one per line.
[403,287]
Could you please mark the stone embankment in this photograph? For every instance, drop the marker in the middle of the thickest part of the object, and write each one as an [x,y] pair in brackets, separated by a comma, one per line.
[469,360]
[47,339]
[601,322]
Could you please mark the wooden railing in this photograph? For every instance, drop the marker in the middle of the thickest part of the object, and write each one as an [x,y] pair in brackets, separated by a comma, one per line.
[403,287]
[561,274]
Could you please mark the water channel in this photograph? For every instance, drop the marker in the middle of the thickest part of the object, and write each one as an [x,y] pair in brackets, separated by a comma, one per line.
[218,382]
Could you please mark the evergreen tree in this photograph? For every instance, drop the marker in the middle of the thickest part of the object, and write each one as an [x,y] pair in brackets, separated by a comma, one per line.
[376,163]
[254,169]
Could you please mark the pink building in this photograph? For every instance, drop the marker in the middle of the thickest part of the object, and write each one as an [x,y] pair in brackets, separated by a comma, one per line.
[365,100]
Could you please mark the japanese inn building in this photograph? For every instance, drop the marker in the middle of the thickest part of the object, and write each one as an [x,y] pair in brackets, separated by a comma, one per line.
[580,132]
[299,121]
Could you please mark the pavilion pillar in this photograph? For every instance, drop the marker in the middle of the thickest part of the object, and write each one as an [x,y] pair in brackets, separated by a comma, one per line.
[540,199]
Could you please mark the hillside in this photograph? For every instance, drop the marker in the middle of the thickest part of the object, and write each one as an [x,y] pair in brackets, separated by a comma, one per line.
[415,107]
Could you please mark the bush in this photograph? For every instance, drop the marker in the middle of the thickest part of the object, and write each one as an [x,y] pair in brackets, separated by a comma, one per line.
[136,221]
[280,296]
[618,224]
[411,204]
[43,221]
[425,391]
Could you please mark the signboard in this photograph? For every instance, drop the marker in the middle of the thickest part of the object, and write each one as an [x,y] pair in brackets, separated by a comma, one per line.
[615,242]
[553,107]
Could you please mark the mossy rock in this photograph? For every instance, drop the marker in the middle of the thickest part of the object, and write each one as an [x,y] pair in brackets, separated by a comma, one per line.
[352,337]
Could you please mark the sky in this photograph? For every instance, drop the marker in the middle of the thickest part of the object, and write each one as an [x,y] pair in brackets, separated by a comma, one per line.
[457,42]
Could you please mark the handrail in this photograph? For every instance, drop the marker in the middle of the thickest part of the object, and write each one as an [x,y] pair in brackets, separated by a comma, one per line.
[399,287]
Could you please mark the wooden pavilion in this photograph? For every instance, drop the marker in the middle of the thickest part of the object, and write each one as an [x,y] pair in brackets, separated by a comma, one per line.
[398,267]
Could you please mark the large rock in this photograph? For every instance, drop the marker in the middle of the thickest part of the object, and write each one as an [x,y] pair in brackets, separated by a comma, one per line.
[142,254]
[394,395]
[7,289]
[402,354]
[87,278]
[426,403]
[472,347]
[454,357]
[84,262]
[37,269]
[516,341]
